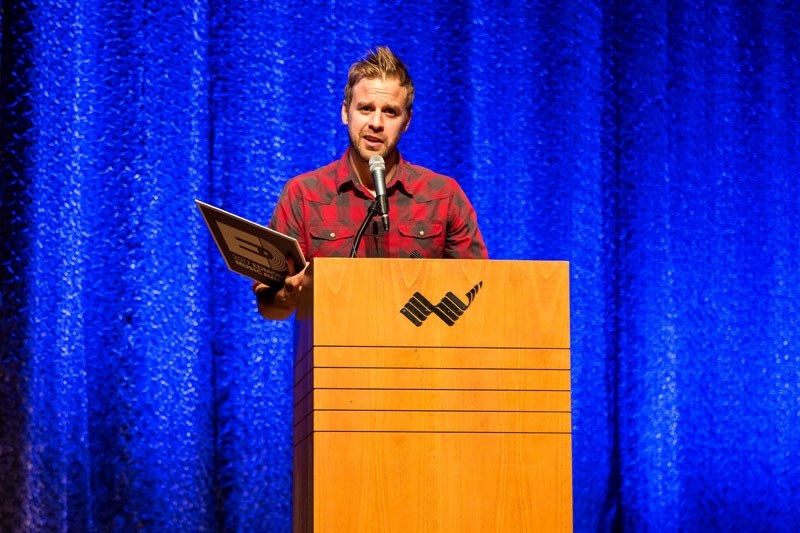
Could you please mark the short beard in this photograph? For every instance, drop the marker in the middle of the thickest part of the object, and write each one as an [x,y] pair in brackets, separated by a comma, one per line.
[386,153]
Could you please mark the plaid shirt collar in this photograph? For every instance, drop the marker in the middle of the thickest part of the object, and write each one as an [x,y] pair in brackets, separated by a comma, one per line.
[346,177]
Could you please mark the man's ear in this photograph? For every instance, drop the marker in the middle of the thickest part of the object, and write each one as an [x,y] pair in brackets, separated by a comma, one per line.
[408,122]
[344,113]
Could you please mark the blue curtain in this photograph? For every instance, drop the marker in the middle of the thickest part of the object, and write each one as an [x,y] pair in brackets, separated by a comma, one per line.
[655,145]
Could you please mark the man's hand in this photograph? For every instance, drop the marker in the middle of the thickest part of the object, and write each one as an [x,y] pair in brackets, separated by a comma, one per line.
[281,304]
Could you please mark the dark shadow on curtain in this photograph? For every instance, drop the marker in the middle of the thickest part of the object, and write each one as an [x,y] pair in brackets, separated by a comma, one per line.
[15,111]
[612,517]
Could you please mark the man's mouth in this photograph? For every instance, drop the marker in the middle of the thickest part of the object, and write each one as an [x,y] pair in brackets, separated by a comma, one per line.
[372,140]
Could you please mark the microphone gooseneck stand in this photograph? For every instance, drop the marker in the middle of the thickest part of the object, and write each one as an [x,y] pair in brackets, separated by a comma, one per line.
[371,212]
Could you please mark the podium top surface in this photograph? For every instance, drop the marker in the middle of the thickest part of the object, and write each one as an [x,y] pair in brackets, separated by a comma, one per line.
[436,303]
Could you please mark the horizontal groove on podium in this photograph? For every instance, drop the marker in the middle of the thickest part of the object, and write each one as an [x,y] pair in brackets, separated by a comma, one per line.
[448,357]
[437,400]
[432,379]
[433,422]
[432,400]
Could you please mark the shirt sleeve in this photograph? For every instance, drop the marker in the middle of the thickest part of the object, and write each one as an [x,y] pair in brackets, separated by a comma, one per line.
[287,218]
[464,239]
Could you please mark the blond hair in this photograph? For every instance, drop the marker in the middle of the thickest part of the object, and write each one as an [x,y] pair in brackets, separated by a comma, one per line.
[383,64]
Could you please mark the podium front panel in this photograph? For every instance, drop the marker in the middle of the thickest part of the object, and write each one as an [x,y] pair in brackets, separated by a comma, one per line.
[433,396]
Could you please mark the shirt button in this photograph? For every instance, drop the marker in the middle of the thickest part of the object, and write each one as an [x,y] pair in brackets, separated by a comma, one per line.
[333,235]
[421,232]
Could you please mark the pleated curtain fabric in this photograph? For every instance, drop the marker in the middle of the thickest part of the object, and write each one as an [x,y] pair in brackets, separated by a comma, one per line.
[653,145]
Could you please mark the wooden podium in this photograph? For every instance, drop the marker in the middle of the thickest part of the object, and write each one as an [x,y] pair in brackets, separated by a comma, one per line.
[433,396]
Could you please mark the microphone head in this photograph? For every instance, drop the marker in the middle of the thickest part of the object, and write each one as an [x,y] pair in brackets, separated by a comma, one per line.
[376,163]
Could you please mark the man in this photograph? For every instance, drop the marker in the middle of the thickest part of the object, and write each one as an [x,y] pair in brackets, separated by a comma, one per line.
[429,214]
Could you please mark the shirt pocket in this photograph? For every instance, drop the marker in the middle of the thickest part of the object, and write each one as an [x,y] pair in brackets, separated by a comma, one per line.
[423,238]
[331,239]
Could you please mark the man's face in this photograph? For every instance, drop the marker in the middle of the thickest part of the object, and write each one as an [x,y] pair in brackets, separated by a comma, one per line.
[376,117]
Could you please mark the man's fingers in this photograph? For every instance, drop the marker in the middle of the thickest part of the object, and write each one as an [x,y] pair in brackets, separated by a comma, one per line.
[289,295]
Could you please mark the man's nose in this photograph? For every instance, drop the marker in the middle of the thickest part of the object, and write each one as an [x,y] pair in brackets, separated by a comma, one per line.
[376,121]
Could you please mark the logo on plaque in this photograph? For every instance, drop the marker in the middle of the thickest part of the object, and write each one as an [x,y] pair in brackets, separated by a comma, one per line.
[449,309]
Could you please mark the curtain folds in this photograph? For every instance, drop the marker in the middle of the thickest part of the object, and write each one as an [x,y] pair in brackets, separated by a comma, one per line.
[653,145]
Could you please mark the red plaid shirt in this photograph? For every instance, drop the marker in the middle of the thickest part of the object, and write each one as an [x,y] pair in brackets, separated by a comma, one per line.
[429,215]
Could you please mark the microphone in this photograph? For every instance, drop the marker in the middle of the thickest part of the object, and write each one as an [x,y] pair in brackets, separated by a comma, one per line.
[378,169]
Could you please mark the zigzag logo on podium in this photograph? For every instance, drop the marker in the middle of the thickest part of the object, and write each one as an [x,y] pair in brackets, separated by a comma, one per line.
[449,309]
